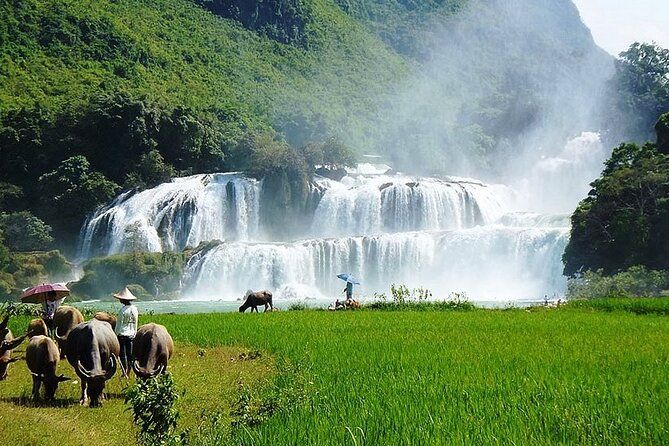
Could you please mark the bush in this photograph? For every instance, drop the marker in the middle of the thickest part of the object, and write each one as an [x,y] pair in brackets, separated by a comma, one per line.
[152,404]
[635,282]
[151,171]
[647,305]
[152,275]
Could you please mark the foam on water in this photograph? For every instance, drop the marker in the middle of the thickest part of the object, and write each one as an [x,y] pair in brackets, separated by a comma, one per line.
[492,262]
[175,215]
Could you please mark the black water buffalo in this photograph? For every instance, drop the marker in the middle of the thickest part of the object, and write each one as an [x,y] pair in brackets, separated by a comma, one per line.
[37,327]
[106,317]
[7,344]
[42,360]
[256,299]
[152,348]
[64,320]
[92,349]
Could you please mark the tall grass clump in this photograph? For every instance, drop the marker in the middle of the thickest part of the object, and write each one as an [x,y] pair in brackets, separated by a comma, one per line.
[417,299]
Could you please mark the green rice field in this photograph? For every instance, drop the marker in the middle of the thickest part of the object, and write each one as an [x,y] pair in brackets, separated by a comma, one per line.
[498,377]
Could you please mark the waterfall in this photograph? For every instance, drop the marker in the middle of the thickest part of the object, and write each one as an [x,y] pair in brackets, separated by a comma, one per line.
[175,215]
[445,234]
[388,204]
[200,208]
[490,262]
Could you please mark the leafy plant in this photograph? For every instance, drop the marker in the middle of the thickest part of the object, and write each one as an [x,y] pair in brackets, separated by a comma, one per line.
[637,281]
[418,299]
[25,232]
[152,405]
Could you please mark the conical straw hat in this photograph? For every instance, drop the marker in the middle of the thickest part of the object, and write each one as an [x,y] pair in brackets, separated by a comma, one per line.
[125,294]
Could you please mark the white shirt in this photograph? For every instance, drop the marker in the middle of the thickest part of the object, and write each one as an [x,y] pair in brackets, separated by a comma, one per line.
[126,322]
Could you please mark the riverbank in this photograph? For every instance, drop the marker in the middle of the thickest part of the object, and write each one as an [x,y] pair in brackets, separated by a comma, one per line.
[225,306]
[543,376]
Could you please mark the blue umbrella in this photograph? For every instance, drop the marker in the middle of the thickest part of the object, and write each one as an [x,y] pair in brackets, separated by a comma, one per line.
[348,278]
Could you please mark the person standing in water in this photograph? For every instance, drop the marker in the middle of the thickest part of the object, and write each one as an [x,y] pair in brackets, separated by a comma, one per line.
[126,327]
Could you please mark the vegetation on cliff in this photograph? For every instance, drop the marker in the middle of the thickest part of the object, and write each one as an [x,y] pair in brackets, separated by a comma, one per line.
[624,221]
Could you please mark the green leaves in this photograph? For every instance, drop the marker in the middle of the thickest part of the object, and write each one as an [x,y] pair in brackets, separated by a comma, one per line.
[625,219]
[25,232]
[637,281]
[72,190]
[152,404]
[641,89]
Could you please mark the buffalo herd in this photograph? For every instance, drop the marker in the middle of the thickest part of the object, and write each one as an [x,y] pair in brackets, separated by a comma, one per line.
[90,347]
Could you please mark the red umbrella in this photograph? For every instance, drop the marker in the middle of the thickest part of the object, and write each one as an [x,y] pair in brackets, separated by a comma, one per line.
[46,291]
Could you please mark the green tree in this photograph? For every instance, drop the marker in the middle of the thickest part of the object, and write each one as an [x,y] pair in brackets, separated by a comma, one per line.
[71,191]
[9,193]
[151,171]
[25,232]
[662,130]
[642,87]
[624,221]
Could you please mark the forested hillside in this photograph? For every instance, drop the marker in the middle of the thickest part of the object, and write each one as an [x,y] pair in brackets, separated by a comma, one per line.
[101,96]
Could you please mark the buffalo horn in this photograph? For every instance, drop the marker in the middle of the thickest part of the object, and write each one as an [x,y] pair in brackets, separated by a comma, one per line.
[62,378]
[136,368]
[82,370]
[11,345]
[58,337]
[157,371]
[112,367]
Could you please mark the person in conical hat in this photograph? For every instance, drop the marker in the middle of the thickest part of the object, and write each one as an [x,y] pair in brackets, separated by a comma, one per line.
[126,327]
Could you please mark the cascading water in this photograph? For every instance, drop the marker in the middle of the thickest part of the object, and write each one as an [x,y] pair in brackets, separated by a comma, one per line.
[175,215]
[449,235]
[386,204]
[494,262]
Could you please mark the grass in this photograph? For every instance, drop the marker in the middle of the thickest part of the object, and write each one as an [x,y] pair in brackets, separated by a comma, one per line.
[211,381]
[649,305]
[565,376]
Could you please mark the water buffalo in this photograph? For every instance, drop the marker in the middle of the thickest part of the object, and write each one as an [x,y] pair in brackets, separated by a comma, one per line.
[152,348]
[255,299]
[92,349]
[64,320]
[42,359]
[37,327]
[7,344]
[106,317]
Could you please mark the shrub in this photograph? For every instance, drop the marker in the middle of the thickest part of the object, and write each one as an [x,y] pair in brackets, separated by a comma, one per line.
[153,275]
[152,404]
[637,281]
[418,299]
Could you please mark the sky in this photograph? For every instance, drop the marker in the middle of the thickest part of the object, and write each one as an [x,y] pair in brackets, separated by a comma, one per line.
[615,24]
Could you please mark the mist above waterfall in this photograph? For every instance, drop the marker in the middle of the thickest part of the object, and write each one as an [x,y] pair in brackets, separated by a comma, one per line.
[499,88]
